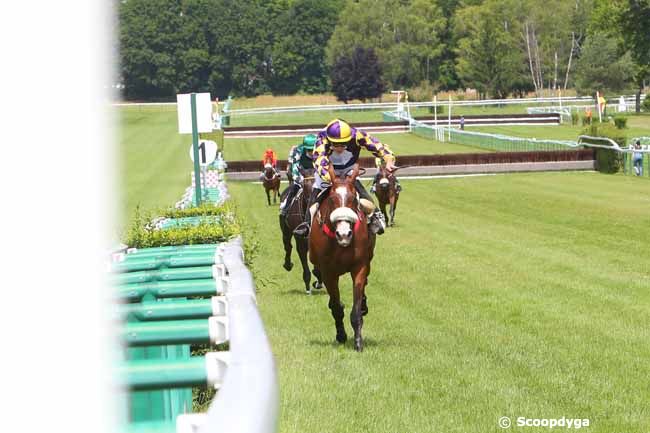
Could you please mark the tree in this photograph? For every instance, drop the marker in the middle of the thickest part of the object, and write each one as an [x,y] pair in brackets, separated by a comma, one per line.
[601,67]
[635,20]
[405,34]
[357,76]
[298,56]
[488,56]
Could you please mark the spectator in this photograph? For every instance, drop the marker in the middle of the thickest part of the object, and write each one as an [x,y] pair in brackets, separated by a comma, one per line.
[637,159]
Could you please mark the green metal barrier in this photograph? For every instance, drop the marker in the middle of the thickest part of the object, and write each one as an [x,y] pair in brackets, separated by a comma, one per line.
[160,324]
[194,331]
[170,289]
[186,309]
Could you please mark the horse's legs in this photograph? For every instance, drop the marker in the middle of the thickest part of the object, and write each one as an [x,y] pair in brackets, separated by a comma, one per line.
[286,240]
[302,246]
[359,278]
[268,197]
[393,206]
[382,207]
[318,284]
[336,307]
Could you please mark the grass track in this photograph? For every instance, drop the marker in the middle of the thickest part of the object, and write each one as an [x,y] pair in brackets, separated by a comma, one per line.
[519,295]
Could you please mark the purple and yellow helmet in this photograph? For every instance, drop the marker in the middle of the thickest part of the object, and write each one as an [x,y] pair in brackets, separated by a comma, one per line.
[338,131]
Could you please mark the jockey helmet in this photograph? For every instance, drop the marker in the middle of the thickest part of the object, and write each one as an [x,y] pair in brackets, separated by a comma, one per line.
[269,151]
[338,131]
[309,141]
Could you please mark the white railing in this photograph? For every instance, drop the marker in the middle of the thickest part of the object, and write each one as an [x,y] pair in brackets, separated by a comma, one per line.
[248,399]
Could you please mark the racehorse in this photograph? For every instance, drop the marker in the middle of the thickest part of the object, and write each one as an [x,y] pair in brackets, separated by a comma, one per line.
[271,182]
[387,194]
[295,214]
[340,243]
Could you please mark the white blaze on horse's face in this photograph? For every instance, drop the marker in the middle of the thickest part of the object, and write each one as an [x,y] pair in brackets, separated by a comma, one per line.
[384,182]
[343,219]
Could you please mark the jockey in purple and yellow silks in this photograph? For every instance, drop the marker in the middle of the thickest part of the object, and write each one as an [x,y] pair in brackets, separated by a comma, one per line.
[339,144]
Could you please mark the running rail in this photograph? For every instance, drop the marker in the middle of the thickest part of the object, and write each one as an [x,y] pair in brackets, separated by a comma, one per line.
[248,399]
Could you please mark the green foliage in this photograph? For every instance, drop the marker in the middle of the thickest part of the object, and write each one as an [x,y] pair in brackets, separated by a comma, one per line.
[142,234]
[620,122]
[646,104]
[607,161]
[206,209]
[488,55]
[602,68]
[404,34]
[575,117]
[357,76]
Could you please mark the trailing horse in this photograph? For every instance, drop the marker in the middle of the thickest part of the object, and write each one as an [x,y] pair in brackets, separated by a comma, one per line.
[271,182]
[340,243]
[294,216]
[387,194]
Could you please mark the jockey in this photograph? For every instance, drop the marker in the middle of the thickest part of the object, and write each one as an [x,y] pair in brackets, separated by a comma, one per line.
[269,158]
[379,162]
[339,144]
[300,159]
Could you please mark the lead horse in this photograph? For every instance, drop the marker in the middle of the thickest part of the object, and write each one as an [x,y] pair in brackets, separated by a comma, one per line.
[340,243]
[294,216]
[271,182]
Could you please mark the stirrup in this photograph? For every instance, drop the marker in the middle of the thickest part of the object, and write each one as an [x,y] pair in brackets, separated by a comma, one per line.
[302,229]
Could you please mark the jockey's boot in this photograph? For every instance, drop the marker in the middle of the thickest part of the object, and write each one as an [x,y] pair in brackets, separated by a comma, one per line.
[398,187]
[286,203]
[377,222]
[372,188]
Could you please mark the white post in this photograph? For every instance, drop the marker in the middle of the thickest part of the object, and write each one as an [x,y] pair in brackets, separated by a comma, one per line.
[600,118]
[449,119]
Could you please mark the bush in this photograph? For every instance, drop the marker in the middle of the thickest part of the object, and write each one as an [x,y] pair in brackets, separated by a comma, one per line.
[142,234]
[575,117]
[607,161]
[440,110]
[423,92]
[620,122]
[646,104]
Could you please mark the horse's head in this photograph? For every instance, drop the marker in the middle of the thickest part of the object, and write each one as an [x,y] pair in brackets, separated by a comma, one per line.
[342,204]
[386,178]
[269,173]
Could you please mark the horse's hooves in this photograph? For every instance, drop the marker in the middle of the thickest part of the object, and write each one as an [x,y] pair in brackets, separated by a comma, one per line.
[341,337]
[358,344]
[288,266]
[308,292]
[316,285]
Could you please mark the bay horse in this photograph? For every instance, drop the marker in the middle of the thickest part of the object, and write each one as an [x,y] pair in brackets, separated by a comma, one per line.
[295,215]
[340,243]
[271,182]
[386,193]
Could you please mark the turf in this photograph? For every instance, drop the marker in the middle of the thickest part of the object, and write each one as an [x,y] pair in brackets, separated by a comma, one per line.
[241,149]
[511,295]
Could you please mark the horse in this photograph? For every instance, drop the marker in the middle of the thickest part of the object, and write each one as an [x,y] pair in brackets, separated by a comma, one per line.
[271,182]
[340,243]
[386,193]
[295,214]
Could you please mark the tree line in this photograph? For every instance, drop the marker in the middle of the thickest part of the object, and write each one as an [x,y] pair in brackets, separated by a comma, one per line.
[359,48]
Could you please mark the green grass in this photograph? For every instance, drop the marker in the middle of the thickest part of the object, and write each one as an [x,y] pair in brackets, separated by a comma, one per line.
[637,125]
[516,295]
[154,161]
[243,149]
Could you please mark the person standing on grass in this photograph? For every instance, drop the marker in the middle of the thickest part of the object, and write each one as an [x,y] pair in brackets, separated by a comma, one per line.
[637,159]
[462,123]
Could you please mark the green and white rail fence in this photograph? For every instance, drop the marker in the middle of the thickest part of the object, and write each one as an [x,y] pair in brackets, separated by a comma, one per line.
[173,297]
